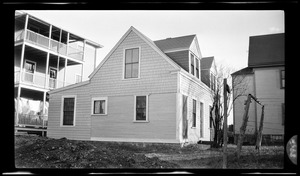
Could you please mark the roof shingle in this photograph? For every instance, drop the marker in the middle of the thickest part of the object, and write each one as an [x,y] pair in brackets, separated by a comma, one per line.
[206,62]
[175,43]
[266,50]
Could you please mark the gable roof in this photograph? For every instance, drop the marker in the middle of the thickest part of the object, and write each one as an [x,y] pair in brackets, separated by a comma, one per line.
[244,71]
[146,39]
[175,43]
[206,62]
[266,50]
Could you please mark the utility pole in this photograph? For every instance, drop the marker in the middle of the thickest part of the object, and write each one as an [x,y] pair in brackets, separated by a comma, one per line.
[225,124]
[243,127]
[259,136]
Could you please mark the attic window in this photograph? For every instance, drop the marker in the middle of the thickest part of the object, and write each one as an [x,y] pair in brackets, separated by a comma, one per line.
[131,63]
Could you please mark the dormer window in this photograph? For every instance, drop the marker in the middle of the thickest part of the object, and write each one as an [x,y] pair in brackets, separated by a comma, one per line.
[212,82]
[192,64]
[197,68]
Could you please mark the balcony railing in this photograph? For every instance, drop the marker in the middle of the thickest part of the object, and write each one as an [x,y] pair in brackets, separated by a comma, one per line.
[51,44]
[38,80]
[29,120]
[37,39]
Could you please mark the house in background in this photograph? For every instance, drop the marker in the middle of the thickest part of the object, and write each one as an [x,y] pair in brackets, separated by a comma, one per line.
[265,79]
[142,91]
[46,57]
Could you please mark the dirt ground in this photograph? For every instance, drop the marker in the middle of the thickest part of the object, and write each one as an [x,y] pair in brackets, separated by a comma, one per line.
[33,151]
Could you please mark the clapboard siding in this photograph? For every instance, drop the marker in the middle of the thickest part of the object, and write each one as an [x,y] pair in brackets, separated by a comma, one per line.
[118,123]
[181,58]
[200,93]
[155,74]
[81,130]
[270,94]
[156,81]
[265,85]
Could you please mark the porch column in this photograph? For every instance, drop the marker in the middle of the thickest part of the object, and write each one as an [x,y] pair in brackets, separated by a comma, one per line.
[57,72]
[68,36]
[18,99]
[84,44]
[95,58]
[60,33]
[46,72]
[65,71]
[50,34]
[23,49]
[81,72]
[44,102]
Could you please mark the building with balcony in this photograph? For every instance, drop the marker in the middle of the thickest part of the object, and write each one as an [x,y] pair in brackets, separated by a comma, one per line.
[46,57]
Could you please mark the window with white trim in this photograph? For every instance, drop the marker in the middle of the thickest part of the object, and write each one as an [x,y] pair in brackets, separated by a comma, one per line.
[68,110]
[194,113]
[192,64]
[99,106]
[201,120]
[197,68]
[131,68]
[141,106]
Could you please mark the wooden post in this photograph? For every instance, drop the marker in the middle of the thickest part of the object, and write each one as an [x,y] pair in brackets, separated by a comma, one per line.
[65,72]
[259,136]
[243,127]
[225,125]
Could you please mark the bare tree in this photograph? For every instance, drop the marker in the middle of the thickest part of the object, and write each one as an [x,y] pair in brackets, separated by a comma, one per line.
[240,85]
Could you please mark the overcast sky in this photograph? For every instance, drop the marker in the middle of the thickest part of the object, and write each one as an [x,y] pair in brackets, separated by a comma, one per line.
[222,34]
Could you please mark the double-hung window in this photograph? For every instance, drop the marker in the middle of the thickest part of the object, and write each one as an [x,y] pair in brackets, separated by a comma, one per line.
[68,110]
[99,106]
[201,120]
[131,63]
[192,64]
[141,109]
[194,113]
[197,68]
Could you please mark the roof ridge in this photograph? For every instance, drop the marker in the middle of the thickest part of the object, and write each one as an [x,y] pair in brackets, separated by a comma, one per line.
[175,37]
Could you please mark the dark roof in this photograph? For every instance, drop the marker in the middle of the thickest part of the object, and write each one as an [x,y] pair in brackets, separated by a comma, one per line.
[266,50]
[175,43]
[244,71]
[206,62]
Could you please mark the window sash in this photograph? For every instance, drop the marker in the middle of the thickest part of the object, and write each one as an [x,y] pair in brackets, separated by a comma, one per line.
[141,108]
[99,106]
[194,113]
[68,111]
[201,120]
[131,63]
